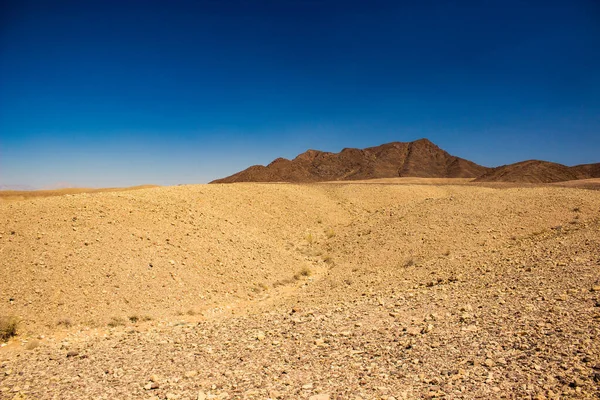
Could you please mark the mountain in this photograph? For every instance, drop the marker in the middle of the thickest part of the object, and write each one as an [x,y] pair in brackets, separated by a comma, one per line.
[585,171]
[16,187]
[535,171]
[420,158]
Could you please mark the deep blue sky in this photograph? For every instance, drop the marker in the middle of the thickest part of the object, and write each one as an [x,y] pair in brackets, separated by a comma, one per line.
[114,93]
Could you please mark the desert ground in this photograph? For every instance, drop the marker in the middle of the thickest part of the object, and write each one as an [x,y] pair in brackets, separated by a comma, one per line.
[396,289]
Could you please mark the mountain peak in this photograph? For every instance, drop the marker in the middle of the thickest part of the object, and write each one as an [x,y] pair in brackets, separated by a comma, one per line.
[420,158]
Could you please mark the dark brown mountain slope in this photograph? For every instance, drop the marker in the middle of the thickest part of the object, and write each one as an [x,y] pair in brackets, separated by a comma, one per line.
[535,171]
[420,158]
[586,171]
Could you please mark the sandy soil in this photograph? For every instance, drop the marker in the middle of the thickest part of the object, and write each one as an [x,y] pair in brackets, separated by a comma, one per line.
[592,183]
[320,291]
[11,195]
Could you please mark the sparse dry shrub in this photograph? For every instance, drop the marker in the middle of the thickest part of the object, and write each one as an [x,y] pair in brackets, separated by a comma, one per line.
[576,209]
[284,282]
[8,327]
[262,286]
[309,238]
[116,321]
[305,271]
[330,233]
[191,312]
[410,262]
[134,318]
[66,322]
[327,259]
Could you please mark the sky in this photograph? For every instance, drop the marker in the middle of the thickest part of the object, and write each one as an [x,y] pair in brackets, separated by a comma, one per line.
[104,93]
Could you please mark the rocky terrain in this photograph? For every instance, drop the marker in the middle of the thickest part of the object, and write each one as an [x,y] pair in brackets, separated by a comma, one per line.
[391,290]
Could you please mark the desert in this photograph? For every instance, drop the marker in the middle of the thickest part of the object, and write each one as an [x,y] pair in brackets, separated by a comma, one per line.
[403,288]
[299,200]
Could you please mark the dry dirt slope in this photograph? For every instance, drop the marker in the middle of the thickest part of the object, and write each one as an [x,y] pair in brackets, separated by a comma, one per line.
[416,291]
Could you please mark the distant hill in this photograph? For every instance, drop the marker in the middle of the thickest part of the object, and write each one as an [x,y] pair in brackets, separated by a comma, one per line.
[16,187]
[535,171]
[585,171]
[420,158]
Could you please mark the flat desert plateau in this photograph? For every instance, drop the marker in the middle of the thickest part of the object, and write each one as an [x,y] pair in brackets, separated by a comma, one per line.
[398,289]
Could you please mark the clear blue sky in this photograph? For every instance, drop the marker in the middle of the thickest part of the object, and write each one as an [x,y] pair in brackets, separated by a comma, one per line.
[114,93]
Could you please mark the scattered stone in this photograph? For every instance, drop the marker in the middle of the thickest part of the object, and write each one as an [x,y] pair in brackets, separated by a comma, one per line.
[151,386]
[489,363]
[191,374]
[319,397]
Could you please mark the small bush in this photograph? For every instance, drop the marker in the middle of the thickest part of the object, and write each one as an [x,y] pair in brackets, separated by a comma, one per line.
[330,233]
[66,322]
[309,238]
[327,259]
[410,262]
[305,271]
[191,312]
[8,327]
[576,209]
[262,286]
[134,318]
[116,321]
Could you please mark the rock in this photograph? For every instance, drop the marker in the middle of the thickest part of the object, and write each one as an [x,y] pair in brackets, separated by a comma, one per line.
[201,395]
[413,331]
[307,386]
[172,396]
[596,288]
[191,374]
[151,386]
[470,328]
[576,383]
[32,345]
[319,397]
[489,363]
[72,353]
